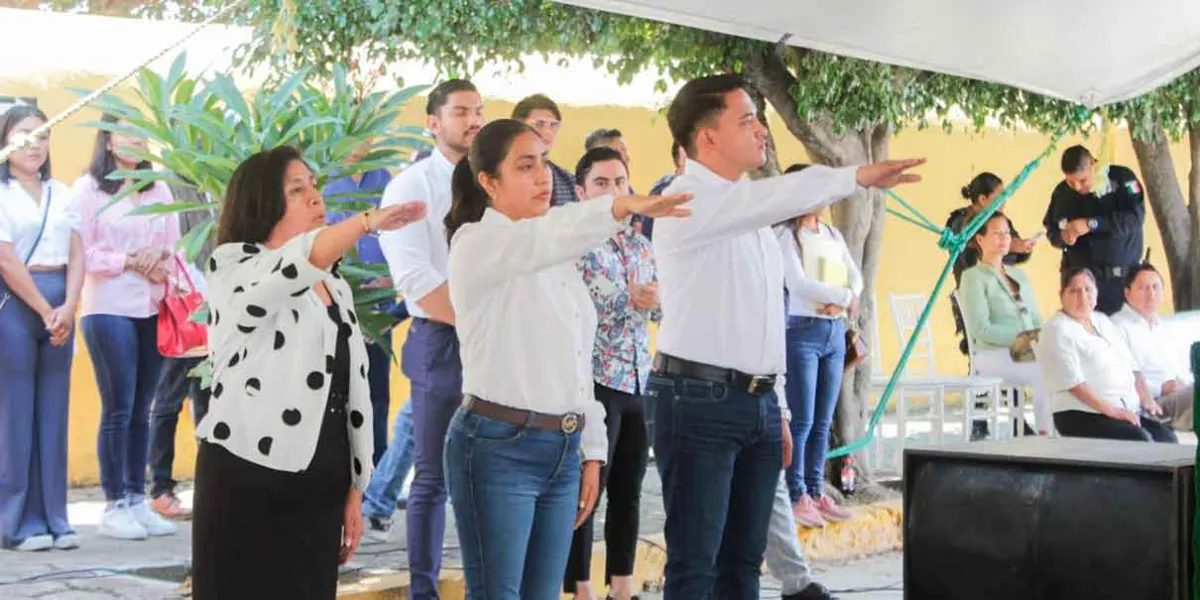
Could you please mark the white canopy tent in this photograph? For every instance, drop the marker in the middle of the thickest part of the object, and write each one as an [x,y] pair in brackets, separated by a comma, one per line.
[1093,52]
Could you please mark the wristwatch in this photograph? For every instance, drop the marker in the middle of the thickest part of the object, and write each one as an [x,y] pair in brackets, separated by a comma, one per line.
[1093,224]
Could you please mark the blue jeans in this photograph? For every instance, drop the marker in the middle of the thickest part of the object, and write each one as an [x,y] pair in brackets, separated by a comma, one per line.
[125,357]
[719,452]
[380,382]
[388,481]
[430,361]
[35,382]
[515,492]
[816,357]
[173,386]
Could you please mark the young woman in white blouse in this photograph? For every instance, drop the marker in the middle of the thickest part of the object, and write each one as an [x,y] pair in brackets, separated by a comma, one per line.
[1090,374]
[287,442]
[823,285]
[527,326]
[41,267]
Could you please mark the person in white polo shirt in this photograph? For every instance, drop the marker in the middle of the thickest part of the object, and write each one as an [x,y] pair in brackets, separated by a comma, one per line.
[1094,389]
[720,441]
[1151,344]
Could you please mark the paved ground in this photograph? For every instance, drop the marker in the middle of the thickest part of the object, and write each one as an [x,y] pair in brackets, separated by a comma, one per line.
[106,569]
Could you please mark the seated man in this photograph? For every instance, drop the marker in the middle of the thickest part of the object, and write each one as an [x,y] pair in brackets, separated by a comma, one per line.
[1151,345]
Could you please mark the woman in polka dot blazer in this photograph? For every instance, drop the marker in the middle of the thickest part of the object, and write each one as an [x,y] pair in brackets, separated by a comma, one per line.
[286,446]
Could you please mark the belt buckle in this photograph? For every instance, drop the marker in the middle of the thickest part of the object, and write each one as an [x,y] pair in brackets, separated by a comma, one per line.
[570,423]
[756,381]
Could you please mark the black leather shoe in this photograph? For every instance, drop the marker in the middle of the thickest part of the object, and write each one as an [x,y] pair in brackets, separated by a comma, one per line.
[814,591]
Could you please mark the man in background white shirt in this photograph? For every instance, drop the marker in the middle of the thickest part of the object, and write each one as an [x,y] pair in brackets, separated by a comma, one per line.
[418,257]
[720,438]
[1152,346]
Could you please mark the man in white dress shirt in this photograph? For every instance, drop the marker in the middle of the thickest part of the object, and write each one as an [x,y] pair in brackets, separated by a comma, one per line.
[418,256]
[1155,348]
[720,439]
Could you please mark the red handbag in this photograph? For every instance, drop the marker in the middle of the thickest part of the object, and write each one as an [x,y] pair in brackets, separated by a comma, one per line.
[178,335]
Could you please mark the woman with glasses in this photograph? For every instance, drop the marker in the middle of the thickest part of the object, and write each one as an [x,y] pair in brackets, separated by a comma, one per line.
[999,307]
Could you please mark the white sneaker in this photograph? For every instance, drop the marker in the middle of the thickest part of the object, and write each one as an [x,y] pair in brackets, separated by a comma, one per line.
[118,523]
[151,521]
[69,541]
[35,543]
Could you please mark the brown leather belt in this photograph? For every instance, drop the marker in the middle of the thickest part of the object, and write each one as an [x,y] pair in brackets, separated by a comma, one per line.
[46,268]
[568,423]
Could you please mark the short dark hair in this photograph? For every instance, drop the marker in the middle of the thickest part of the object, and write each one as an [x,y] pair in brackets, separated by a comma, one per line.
[104,163]
[981,186]
[15,114]
[697,102]
[527,105]
[1073,159]
[796,168]
[597,138]
[441,94]
[596,155]
[1138,269]
[254,200]
[1070,273]
[468,199]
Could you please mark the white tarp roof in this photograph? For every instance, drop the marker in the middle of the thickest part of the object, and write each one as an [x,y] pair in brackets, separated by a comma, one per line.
[1089,51]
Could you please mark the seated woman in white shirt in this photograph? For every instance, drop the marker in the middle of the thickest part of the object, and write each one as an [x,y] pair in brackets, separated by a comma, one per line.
[1154,346]
[998,305]
[287,442]
[1090,374]
[526,326]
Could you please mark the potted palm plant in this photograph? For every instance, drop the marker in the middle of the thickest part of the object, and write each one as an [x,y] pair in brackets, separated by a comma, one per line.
[200,128]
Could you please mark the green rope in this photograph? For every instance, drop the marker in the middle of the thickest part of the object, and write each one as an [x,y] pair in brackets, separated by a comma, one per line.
[1196,427]
[955,243]
[904,217]
[913,210]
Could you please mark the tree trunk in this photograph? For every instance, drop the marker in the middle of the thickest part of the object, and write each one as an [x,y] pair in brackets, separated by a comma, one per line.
[859,217]
[1176,223]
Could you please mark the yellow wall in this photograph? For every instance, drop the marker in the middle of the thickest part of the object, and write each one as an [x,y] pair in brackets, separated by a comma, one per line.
[910,265]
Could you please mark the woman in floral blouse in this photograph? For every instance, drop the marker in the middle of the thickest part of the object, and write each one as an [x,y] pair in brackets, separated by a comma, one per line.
[621,278]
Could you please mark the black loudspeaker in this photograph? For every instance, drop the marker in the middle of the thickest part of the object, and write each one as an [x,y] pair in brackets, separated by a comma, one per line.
[1049,519]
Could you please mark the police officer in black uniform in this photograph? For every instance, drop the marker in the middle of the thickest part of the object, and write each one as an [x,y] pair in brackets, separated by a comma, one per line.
[1097,228]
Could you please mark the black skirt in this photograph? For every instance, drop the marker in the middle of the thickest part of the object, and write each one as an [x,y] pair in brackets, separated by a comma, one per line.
[262,533]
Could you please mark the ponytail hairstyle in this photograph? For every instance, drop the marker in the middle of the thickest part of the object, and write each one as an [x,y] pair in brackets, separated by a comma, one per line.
[490,148]
[982,186]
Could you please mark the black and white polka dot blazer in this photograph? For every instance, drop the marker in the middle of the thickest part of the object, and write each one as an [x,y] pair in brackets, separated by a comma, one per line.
[272,342]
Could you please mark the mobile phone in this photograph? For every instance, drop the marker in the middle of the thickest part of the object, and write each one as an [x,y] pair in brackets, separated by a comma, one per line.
[1038,236]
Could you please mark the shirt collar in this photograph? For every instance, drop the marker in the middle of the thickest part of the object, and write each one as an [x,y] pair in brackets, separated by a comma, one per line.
[440,160]
[706,175]
[1132,313]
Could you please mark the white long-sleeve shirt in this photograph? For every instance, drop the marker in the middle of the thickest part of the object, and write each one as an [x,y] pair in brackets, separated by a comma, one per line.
[418,255]
[805,291]
[1152,346]
[720,271]
[525,320]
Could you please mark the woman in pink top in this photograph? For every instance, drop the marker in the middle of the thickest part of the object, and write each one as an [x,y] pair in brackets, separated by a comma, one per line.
[127,258]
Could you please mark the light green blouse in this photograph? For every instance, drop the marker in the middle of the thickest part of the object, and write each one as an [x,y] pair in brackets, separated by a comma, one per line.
[992,313]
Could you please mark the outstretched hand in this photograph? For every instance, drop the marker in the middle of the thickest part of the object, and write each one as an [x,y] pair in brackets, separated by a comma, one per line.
[889,173]
[391,218]
[670,205]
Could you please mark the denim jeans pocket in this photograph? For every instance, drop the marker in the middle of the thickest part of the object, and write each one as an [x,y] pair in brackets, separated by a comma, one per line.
[491,431]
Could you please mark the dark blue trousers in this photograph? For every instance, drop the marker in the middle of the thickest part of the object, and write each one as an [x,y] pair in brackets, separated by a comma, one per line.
[35,386]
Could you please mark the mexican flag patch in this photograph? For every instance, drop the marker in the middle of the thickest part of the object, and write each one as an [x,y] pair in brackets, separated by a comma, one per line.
[1133,187]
